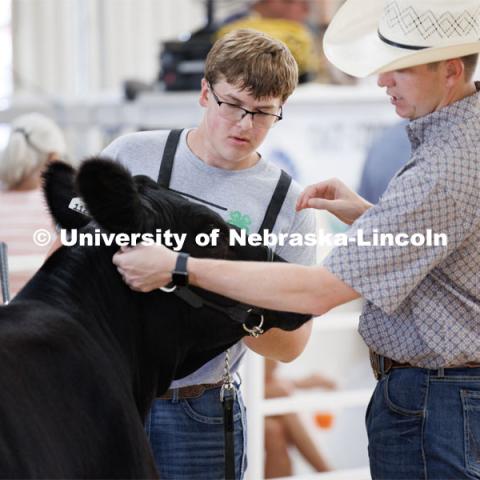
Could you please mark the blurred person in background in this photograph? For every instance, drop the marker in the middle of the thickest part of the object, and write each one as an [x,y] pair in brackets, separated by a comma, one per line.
[387,154]
[322,14]
[296,10]
[34,141]
[285,431]
[284,20]
[300,24]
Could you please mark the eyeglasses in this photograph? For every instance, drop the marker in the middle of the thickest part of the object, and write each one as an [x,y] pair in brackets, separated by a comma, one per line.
[235,113]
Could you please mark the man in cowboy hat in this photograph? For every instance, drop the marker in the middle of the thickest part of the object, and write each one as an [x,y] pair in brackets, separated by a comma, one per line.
[421,317]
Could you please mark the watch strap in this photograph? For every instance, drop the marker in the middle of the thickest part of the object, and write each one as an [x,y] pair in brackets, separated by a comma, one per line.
[180,273]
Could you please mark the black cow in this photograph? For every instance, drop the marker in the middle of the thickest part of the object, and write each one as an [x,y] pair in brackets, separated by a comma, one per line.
[82,356]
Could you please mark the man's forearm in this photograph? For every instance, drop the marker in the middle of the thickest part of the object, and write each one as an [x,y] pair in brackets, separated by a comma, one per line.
[284,287]
[276,286]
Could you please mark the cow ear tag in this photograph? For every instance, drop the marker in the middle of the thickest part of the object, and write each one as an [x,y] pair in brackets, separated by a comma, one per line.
[77,204]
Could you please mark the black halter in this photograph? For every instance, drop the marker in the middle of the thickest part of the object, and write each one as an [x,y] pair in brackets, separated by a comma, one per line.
[239,312]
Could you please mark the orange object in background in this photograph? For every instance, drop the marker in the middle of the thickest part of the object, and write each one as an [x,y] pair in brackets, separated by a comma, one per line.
[323,420]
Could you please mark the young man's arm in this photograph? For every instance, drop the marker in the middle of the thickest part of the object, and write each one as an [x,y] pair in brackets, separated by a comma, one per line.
[279,344]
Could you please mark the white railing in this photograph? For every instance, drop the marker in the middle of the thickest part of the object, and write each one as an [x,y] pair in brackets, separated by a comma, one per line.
[310,401]
[307,401]
[350,474]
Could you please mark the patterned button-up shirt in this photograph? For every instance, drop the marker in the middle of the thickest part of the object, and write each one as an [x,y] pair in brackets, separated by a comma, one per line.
[422,303]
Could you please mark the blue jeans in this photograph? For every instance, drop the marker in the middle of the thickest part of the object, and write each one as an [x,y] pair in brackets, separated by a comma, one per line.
[187,437]
[425,424]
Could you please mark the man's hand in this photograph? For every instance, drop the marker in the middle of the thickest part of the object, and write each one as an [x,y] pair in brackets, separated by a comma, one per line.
[335,197]
[145,267]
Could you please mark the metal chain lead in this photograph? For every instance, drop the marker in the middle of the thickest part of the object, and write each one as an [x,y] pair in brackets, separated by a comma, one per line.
[4,273]
[227,377]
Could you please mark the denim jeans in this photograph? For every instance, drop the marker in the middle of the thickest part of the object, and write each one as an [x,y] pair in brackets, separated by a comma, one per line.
[187,437]
[425,424]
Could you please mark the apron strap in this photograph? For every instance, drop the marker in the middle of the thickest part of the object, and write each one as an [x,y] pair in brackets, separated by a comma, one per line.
[276,202]
[166,166]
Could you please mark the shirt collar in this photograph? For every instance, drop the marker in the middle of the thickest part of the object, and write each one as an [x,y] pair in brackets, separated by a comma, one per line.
[439,122]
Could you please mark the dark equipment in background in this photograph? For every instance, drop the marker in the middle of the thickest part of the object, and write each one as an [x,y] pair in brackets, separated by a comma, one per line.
[182,62]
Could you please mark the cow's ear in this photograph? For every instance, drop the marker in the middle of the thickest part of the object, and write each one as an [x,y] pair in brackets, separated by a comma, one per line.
[59,191]
[110,195]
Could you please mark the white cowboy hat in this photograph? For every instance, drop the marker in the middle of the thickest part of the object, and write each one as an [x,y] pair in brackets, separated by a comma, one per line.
[373,36]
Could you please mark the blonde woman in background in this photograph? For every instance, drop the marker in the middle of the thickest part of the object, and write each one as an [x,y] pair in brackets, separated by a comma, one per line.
[35,140]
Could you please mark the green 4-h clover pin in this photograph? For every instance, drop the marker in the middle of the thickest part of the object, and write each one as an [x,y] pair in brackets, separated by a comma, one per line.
[240,221]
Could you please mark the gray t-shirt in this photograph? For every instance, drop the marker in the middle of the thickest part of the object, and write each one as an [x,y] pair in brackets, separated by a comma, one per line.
[241,197]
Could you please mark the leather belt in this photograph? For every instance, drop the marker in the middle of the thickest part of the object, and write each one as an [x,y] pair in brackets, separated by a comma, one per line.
[376,361]
[190,391]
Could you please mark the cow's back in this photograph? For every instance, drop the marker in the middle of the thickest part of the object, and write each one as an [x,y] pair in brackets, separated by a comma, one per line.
[66,408]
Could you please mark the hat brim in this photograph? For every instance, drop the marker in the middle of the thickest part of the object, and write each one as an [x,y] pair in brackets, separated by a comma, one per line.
[352,44]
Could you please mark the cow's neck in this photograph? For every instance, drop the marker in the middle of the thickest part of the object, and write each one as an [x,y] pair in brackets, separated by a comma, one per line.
[83,282]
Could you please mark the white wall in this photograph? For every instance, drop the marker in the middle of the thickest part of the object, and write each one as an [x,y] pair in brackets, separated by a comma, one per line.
[79,47]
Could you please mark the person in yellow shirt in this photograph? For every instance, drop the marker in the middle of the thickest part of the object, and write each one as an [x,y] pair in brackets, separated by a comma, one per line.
[285,21]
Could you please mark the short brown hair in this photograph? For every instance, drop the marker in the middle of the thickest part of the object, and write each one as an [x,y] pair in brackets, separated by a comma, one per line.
[469,62]
[253,61]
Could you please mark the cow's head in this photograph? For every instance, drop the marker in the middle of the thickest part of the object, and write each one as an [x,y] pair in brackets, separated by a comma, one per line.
[121,203]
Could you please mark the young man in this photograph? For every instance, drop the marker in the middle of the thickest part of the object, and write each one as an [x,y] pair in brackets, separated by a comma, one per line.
[248,77]
[422,309]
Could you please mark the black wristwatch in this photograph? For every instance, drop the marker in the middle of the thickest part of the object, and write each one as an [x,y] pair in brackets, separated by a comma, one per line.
[180,274]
